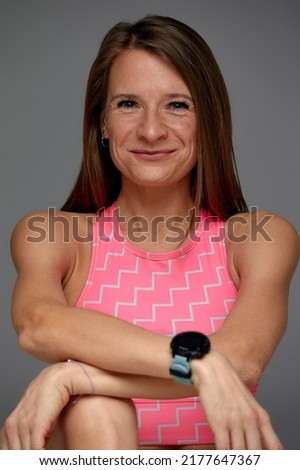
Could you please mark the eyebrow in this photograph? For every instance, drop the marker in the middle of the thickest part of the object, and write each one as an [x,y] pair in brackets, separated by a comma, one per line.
[168,95]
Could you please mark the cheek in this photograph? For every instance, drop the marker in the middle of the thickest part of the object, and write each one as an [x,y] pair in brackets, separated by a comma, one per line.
[185,129]
[117,127]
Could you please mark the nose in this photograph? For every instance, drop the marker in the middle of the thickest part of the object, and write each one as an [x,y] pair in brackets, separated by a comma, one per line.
[152,127]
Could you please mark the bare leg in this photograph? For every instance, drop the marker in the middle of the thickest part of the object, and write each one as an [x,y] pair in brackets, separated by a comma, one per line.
[96,422]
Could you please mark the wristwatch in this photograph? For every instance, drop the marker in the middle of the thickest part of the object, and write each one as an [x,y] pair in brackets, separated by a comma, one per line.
[186,347]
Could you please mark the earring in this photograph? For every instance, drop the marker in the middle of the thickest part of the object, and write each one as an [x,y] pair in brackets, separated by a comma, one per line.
[103,143]
[103,139]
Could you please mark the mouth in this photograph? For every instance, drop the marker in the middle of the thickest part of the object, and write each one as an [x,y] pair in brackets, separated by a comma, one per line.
[152,155]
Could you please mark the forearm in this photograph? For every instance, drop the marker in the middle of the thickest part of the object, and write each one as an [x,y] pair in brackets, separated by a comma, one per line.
[59,332]
[56,332]
[82,379]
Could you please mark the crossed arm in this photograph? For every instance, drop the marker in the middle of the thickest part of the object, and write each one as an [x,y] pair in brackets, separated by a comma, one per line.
[53,331]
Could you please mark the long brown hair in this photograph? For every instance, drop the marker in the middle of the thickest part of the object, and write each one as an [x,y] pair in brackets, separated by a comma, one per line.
[214,180]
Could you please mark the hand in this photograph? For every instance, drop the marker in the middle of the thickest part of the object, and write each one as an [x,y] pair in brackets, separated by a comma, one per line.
[236,418]
[32,422]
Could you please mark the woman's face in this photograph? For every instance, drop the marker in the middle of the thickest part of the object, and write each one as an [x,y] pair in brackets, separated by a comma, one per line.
[150,121]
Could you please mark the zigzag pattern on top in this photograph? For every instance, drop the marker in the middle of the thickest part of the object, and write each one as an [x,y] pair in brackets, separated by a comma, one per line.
[189,290]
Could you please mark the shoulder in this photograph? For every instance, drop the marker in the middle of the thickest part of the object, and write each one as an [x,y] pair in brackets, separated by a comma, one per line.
[50,235]
[53,225]
[260,226]
[264,243]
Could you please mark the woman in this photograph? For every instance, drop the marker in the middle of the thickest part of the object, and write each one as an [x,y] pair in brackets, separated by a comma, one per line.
[172,249]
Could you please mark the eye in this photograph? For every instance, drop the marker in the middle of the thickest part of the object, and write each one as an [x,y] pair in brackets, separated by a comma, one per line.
[179,105]
[127,104]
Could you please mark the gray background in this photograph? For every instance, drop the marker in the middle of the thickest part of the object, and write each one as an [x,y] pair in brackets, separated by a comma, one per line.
[46,49]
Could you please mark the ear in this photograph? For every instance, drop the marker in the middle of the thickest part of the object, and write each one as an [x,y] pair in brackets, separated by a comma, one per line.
[104,132]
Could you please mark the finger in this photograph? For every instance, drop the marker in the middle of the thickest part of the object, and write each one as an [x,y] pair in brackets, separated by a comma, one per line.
[3,440]
[40,435]
[38,441]
[10,435]
[253,436]
[246,430]
[269,437]
[24,432]
[25,439]
[237,437]
[222,438]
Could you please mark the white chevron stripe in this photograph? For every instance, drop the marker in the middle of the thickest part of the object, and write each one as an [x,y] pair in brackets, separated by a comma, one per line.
[202,302]
[172,290]
[176,424]
[118,284]
[222,318]
[154,274]
[147,410]
[108,255]
[197,435]
[226,306]
[160,427]
[212,322]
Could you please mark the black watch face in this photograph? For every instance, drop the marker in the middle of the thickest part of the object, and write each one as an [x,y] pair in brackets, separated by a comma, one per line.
[191,344]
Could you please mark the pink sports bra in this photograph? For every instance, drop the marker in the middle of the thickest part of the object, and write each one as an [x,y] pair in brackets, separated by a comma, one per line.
[181,290]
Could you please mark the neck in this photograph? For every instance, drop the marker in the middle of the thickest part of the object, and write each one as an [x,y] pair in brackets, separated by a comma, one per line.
[157,219]
[150,202]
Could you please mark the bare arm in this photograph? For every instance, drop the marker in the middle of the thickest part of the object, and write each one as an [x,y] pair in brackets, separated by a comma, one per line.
[236,418]
[137,361]
[52,331]
[262,268]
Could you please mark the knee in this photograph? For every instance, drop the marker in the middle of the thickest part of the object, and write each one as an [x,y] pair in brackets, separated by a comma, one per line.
[99,408]
[107,422]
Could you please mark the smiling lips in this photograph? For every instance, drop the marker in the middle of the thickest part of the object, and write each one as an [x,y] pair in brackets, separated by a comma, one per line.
[151,155]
